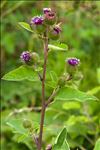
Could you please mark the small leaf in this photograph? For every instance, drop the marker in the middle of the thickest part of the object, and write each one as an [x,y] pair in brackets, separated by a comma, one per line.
[21,73]
[25,26]
[68,93]
[58,47]
[97,145]
[61,137]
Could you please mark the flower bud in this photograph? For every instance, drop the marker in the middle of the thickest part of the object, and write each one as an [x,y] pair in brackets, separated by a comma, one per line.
[50,18]
[54,34]
[35,57]
[46,10]
[78,76]
[62,80]
[49,147]
[72,64]
[27,123]
[38,23]
[29,58]
[73,61]
[25,57]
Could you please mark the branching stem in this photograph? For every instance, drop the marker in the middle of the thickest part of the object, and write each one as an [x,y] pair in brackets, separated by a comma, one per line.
[52,96]
[43,91]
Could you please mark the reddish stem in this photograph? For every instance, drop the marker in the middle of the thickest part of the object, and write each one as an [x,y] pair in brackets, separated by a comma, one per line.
[43,92]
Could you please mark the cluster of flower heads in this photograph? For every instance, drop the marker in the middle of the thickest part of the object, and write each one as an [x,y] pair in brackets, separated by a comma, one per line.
[47,14]
[41,22]
[47,19]
[26,57]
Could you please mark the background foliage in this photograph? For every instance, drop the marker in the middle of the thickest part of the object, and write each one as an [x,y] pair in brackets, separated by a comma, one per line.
[80,30]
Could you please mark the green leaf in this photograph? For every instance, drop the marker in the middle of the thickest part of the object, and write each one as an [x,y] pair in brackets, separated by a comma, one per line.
[16,125]
[71,105]
[21,73]
[60,139]
[97,145]
[25,26]
[95,90]
[52,79]
[65,146]
[68,93]
[58,47]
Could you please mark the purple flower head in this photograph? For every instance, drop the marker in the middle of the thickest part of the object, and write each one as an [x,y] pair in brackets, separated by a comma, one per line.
[57,30]
[50,15]
[46,10]
[37,20]
[25,56]
[73,61]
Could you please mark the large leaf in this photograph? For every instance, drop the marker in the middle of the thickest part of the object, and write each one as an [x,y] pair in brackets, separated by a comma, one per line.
[68,93]
[58,47]
[65,146]
[21,73]
[97,145]
[71,105]
[60,139]
[25,26]
[16,125]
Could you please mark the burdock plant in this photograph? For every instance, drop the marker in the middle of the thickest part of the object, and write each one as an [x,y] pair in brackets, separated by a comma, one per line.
[47,29]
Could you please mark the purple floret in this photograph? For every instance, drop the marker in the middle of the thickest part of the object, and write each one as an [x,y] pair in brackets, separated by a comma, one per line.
[25,56]
[46,10]
[73,61]
[37,20]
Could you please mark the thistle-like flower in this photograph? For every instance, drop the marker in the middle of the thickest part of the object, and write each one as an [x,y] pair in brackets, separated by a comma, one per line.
[37,20]
[37,23]
[50,17]
[56,30]
[73,61]
[46,10]
[25,56]
[54,34]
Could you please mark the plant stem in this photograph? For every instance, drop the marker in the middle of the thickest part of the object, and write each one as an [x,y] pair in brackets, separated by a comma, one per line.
[52,96]
[43,92]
